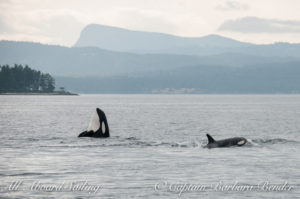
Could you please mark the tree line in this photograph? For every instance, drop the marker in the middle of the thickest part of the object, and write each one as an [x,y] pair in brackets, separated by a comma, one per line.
[20,78]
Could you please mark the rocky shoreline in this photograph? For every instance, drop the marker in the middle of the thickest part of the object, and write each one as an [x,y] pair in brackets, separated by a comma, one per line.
[41,93]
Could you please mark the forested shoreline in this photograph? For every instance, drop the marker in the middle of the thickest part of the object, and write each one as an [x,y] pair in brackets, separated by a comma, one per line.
[23,79]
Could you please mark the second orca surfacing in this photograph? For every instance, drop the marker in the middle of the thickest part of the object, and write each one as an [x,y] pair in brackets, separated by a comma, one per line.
[98,127]
[236,141]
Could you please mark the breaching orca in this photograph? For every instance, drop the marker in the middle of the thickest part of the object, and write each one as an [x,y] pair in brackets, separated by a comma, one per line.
[98,127]
[236,141]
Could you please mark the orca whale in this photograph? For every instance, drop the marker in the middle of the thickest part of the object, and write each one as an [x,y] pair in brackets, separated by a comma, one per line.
[98,127]
[236,141]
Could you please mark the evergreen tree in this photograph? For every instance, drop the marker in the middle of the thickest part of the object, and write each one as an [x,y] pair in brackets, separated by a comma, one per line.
[24,79]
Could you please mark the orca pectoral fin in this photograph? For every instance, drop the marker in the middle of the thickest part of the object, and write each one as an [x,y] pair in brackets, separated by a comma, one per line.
[210,139]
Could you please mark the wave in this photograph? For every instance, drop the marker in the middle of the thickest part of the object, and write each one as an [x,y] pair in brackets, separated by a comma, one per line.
[271,141]
[118,141]
[135,142]
[22,174]
[35,174]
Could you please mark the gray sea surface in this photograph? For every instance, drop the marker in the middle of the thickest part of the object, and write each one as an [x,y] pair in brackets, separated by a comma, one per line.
[155,149]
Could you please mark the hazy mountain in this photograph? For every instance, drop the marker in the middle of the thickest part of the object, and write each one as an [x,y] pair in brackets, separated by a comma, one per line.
[259,79]
[94,70]
[91,61]
[87,61]
[118,39]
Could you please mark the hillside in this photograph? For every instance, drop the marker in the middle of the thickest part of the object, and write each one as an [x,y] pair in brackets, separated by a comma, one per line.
[119,39]
[87,61]
[92,61]
[234,67]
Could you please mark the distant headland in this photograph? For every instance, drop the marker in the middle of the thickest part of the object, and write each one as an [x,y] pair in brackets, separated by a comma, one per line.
[41,93]
[19,80]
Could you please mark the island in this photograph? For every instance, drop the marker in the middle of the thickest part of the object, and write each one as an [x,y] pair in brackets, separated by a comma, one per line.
[22,80]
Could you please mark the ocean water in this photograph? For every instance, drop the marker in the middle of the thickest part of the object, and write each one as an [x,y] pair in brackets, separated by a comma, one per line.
[155,149]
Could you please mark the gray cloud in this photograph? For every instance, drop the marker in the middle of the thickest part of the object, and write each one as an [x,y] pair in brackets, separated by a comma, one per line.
[5,28]
[232,5]
[259,25]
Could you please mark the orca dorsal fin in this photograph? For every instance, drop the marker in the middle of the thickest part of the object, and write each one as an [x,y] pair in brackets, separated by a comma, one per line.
[210,139]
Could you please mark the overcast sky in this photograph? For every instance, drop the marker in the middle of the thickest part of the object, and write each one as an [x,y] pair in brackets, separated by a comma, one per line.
[60,21]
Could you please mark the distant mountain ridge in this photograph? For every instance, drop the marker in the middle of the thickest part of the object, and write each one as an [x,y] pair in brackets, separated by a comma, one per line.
[123,61]
[92,61]
[87,61]
[120,39]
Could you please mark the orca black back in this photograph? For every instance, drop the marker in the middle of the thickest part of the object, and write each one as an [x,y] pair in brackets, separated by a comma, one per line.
[235,141]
